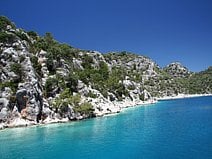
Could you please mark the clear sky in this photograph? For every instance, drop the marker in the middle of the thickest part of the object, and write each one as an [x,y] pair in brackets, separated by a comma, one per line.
[164,30]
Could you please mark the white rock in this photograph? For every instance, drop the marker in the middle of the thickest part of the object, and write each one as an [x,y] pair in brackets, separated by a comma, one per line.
[20,122]
[1,126]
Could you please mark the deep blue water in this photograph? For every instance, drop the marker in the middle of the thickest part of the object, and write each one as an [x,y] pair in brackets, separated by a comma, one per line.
[176,129]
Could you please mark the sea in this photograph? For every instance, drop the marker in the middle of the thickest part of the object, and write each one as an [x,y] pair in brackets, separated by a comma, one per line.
[172,129]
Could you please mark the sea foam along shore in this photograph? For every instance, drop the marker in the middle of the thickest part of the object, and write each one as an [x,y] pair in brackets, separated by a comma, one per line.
[180,96]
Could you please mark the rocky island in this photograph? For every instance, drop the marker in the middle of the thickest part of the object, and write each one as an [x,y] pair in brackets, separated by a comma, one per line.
[44,81]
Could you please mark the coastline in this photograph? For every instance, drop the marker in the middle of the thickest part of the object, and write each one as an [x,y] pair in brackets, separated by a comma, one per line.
[181,96]
[115,108]
[118,108]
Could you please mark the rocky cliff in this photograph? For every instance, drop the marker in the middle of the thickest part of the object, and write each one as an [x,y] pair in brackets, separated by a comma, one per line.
[45,81]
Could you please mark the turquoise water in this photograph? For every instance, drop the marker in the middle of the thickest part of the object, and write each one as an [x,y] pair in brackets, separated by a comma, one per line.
[177,129]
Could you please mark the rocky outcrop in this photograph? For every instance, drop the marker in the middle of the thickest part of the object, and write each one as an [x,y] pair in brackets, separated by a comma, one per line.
[176,69]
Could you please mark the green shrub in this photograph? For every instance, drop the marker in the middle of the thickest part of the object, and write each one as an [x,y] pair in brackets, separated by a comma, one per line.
[131,87]
[51,83]
[104,70]
[67,98]
[32,34]
[67,52]
[84,76]
[87,61]
[121,90]
[41,44]
[50,64]
[18,70]
[91,94]
[9,84]
[72,82]
[96,77]
[65,94]
[7,38]
[137,77]
[104,93]
[49,38]
[75,100]
[62,101]
[22,35]
[4,22]
[55,51]
[84,108]
[36,65]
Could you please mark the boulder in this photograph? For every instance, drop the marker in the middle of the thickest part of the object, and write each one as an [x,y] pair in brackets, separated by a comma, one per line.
[3,115]
[3,103]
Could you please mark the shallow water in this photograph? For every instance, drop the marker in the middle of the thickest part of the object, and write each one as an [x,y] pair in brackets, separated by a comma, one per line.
[174,129]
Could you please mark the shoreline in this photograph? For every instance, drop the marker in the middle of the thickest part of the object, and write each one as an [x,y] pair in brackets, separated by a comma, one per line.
[182,96]
[24,123]
[118,108]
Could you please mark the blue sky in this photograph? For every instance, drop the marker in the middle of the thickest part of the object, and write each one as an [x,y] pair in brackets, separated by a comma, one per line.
[164,30]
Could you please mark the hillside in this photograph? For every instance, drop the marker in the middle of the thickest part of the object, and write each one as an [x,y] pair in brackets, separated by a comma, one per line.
[43,80]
